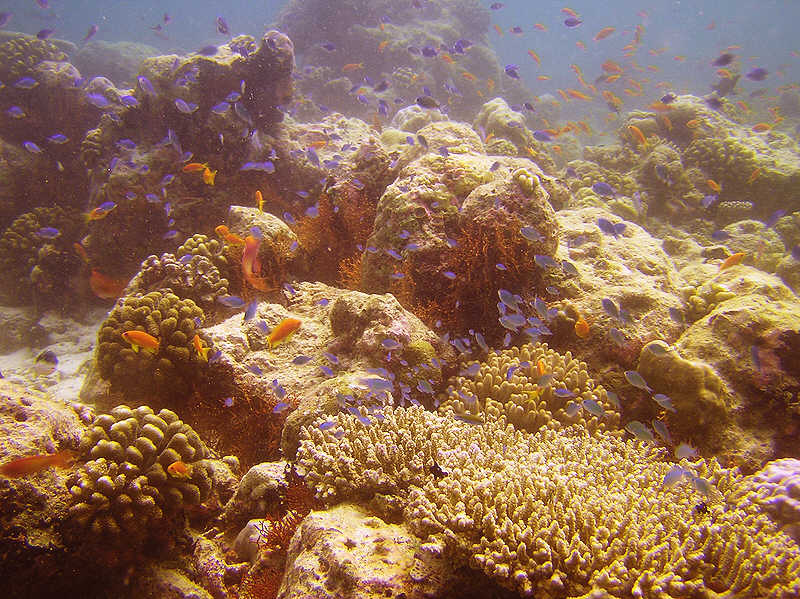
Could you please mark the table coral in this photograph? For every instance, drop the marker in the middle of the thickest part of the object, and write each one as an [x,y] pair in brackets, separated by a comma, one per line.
[126,487]
[557,513]
[166,317]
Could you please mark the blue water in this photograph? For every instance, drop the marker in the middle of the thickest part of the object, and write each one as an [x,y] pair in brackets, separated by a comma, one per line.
[698,31]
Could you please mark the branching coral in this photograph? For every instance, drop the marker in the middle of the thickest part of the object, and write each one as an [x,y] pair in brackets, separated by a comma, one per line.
[557,513]
[131,485]
[532,386]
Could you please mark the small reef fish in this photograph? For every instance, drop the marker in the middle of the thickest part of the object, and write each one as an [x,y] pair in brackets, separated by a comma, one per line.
[604,33]
[45,363]
[194,167]
[209,176]
[637,380]
[582,328]
[640,431]
[201,349]
[37,463]
[732,260]
[100,211]
[251,265]
[282,331]
[180,470]
[104,286]
[141,340]
[232,238]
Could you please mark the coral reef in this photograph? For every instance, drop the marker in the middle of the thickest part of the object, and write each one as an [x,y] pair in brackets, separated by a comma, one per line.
[168,368]
[119,61]
[131,485]
[36,262]
[776,488]
[506,384]
[517,506]
[195,278]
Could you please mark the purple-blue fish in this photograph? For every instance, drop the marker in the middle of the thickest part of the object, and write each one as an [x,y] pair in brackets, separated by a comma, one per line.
[184,106]
[90,34]
[222,26]
[512,70]
[43,34]
[572,21]
[5,17]
[604,189]
[757,74]
[540,135]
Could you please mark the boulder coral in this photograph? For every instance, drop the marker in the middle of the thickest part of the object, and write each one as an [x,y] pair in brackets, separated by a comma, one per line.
[130,488]
[172,321]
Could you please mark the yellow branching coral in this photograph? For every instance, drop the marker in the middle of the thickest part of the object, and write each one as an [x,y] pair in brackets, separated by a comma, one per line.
[533,386]
[557,513]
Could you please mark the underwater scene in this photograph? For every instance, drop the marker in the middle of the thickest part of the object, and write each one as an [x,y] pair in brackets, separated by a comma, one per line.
[399,299]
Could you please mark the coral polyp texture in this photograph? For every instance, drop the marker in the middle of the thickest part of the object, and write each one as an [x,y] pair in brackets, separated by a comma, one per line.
[170,321]
[532,386]
[130,486]
[557,513]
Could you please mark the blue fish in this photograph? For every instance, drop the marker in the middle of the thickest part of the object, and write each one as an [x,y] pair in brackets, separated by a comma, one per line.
[720,235]
[231,301]
[145,85]
[664,401]
[281,406]
[563,392]
[31,147]
[391,344]
[26,83]
[250,311]
[300,360]
[184,106]
[609,228]
[471,370]
[48,233]
[604,189]
[610,308]
[97,100]
[572,22]
[674,476]
[543,261]
[593,408]
[640,431]
[531,234]
[512,70]
[15,112]
[540,135]
[636,379]
[328,424]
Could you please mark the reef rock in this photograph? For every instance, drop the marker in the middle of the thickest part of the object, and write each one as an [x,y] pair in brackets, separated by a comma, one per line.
[322,367]
[347,552]
[119,61]
[752,340]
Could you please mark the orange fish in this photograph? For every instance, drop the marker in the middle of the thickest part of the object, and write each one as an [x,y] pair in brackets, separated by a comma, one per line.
[447,58]
[490,84]
[37,463]
[582,328]
[141,340]
[469,76]
[762,127]
[383,45]
[201,349]
[259,201]
[568,11]
[693,123]
[541,367]
[556,149]
[732,260]
[180,469]
[251,265]
[194,167]
[715,187]
[498,30]
[604,33]
[104,286]
[679,58]
[282,331]
[753,176]
[666,122]
[100,211]
[543,77]
[81,251]
[225,233]
[535,56]
[209,176]
[540,26]
[352,66]
[580,45]
[637,135]
[613,78]
[578,95]
[320,143]
[610,66]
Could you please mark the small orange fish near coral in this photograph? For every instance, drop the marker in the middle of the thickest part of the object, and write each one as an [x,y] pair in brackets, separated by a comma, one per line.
[225,233]
[541,367]
[104,286]
[141,340]
[81,252]
[251,267]
[201,349]
[180,469]
[582,328]
[715,187]
[383,45]
[259,201]
[194,167]
[209,176]
[37,463]
[732,260]
[693,123]
[753,176]
[637,135]
[352,66]
[283,331]
[762,127]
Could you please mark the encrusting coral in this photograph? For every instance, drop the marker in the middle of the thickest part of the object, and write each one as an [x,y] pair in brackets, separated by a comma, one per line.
[557,513]
[20,55]
[131,484]
[173,321]
[506,384]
